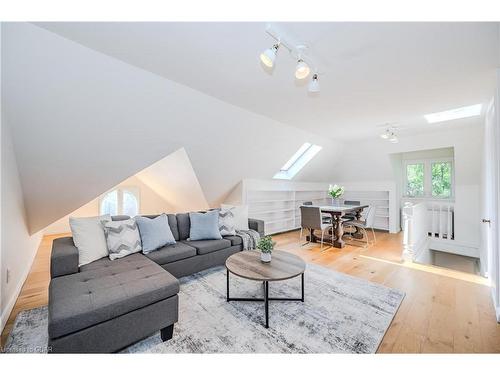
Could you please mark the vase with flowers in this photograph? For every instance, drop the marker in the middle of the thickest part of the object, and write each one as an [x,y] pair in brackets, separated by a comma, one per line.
[336,192]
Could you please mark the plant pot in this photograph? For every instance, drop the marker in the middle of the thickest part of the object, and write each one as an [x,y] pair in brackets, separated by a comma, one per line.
[265,257]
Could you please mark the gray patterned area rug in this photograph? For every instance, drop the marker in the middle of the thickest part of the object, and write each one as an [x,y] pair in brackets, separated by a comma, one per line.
[341,314]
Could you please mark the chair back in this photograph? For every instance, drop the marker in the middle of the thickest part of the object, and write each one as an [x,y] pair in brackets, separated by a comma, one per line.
[352,203]
[370,216]
[310,217]
[308,203]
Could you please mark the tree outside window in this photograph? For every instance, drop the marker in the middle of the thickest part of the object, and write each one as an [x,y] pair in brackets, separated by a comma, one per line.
[429,178]
[415,180]
[441,179]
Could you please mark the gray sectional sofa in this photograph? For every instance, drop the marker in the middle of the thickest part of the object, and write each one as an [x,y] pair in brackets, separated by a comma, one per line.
[105,306]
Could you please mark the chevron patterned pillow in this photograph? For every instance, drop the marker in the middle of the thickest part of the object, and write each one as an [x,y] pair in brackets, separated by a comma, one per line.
[122,238]
[227,224]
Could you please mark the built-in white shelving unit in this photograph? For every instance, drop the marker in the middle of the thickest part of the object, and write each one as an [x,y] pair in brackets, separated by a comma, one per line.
[278,203]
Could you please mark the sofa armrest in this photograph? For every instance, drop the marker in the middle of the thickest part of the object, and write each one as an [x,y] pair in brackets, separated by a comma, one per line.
[64,257]
[257,225]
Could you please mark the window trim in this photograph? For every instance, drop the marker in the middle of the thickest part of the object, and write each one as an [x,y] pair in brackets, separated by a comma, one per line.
[135,190]
[428,178]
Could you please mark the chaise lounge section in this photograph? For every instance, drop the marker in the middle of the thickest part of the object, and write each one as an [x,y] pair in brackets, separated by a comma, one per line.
[105,306]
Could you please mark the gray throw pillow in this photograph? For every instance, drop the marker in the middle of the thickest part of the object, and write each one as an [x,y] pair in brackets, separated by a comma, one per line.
[155,233]
[204,226]
[227,223]
[122,238]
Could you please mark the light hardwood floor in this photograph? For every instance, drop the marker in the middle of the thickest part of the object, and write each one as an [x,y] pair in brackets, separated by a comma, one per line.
[444,311]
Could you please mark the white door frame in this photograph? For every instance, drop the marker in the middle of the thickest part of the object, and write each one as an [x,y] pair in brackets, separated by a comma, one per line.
[490,252]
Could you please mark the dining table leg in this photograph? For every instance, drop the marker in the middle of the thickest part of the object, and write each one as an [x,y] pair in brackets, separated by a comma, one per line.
[358,234]
[339,231]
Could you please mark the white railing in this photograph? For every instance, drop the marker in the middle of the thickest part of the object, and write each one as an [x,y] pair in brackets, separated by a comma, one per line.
[415,222]
[441,220]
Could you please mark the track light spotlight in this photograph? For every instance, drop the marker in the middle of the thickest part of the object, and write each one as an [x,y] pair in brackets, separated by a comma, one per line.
[314,84]
[386,134]
[393,138]
[302,70]
[269,55]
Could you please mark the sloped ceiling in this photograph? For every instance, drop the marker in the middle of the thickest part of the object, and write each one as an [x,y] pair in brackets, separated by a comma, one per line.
[371,72]
[174,180]
[83,121]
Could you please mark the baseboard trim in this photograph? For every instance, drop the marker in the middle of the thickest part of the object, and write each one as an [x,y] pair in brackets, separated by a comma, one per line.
[4,316]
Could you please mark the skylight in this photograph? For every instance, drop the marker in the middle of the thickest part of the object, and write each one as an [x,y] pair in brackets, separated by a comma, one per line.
[303,156]
[454,114]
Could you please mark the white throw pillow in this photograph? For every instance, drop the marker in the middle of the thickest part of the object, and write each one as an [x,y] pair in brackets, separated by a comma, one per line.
[240,215]
[89,238]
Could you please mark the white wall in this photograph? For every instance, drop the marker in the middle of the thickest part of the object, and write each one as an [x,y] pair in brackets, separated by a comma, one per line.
[150,203]
[18,247]
[174,179]
[372,160]
[83,121]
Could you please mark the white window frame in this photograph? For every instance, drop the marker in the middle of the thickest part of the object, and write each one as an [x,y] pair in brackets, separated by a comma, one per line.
[428,178]
[120,190]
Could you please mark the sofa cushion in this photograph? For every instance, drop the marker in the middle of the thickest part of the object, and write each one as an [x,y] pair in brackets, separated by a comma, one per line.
[204,226]
[183,224]
[88,236]
[208,246]
[172,253]
[235,240]
[155,233]
[87,298]
[122,238]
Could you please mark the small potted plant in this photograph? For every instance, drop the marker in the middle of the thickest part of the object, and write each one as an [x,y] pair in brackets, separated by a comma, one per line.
[336,192]
[266,246]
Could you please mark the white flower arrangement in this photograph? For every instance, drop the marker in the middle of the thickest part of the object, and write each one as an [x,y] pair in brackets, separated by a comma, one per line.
[336,191]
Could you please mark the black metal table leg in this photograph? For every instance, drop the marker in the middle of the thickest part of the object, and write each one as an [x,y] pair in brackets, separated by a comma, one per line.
[302,277]
[266,297]
[227,285]
[266,302]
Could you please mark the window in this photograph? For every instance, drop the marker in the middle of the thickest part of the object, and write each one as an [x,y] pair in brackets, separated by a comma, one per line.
[415,180]
[454,114]
[441,179]
[121,201]
[431,178]
[303,156]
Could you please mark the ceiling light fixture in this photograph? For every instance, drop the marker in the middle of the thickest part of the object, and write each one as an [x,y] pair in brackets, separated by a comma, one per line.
[314,84]
[302,70]
[393,138]
[389,134]
[298,51]
[269,55]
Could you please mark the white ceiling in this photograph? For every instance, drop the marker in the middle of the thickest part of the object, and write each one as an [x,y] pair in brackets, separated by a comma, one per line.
[374,73]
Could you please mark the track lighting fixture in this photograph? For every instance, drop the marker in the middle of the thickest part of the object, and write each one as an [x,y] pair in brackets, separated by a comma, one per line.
[298,51]
[314,84]
[390,134]
[269,55]
[302,70]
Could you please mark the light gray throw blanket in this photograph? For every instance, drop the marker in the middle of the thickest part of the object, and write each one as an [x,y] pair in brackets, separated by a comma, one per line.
[249,237]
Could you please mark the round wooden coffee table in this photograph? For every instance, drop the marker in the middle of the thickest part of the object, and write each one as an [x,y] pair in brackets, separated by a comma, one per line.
[283,266]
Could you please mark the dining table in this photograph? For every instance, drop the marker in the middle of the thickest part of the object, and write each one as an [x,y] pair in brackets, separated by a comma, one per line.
[337,213]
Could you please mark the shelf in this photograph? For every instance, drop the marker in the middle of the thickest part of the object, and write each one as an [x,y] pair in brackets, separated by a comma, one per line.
[278,221]
[271,211]
[272,200]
